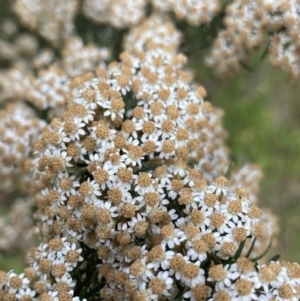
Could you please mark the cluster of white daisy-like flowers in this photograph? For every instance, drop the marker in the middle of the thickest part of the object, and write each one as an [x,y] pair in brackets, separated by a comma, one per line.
[19,127]
[284,45]
[250,24]
[249,176]
[16,232]
[195,12]
[14,45]
[53,20]
[23,45]
[246,22]
[78,58]
[121,13]
[46,92]
[131,179]
[117,13]
[125,209]
[12,83]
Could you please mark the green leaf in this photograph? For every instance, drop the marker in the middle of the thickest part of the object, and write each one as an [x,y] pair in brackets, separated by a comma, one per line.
[239,250]
[274,258]
[82,293]
[251,247]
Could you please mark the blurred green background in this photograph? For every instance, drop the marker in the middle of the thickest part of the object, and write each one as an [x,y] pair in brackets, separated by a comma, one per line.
[262,117]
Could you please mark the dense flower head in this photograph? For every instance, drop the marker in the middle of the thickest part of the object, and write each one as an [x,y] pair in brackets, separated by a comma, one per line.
[19,127]
[12,83]
[156,32]
[21,45]
[16,235]
[249,176]
[246,23]
[118,13]
[195,12]
[48,89]
[78,58]
[131,178]
[251,24]
[53,20]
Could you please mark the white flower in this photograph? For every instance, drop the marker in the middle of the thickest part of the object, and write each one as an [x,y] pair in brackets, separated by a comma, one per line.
[187,277]
[133,222]
[173,239]
[227,279]
[58,255]
[25,293]
[93,193]
[77,130]
[107,205]
[143,271]
[139,188]
[53,295]
[14,278]
[67,280]
[163,262]
[65,159]
[130,158]
[191,297]
[168,283]
[110,112]
[113,166]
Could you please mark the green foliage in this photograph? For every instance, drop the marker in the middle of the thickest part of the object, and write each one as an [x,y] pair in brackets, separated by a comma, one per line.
[15,263]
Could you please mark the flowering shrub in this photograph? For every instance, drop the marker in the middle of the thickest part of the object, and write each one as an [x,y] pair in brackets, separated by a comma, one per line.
[134,194]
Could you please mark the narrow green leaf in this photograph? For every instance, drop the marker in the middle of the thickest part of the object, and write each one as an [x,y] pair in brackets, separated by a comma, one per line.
[239,250]
[82,293]
[251,247]
[274,258]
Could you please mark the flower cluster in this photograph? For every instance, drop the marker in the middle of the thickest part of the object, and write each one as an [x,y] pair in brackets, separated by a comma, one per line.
[12,83]
[250,24]
[19,128]
[118,13]
[131,178]
[16,227]
[46,92]
[78,58]
[125,181]
[121,13]
[195,12]
[53,20]
[154,33]
[56,259]
[249,176]
[23,45]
